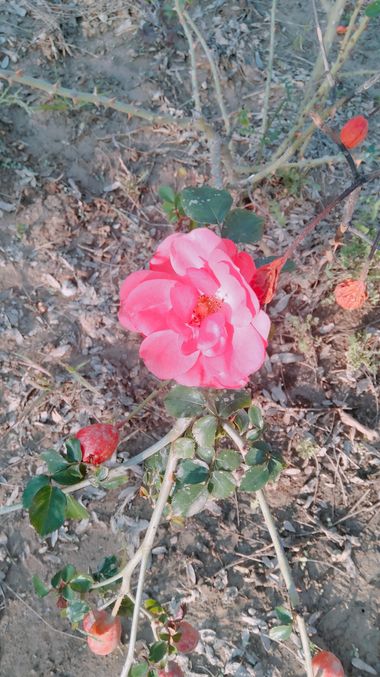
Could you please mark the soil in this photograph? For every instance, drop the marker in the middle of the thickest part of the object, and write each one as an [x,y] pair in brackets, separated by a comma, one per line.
[79,211]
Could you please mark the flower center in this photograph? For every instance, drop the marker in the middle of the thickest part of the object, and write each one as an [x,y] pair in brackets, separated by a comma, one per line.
[205,306]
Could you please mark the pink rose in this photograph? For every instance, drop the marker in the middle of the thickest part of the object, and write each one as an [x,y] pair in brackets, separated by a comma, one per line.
[201,319]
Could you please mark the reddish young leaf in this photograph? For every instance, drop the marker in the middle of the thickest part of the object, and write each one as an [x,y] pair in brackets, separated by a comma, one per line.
[98,442]
[325,664]
[172,670]
[341,30]
[105,631]
[265,280]
[351,294]
[189,637]
[354,131]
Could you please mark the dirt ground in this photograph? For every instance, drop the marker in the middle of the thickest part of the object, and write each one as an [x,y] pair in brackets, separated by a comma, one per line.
[79,211]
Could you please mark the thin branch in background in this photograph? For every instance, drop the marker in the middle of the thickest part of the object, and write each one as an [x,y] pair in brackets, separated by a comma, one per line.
[214,70]
[270,69]
[146,547]
[318,30]
[193,63]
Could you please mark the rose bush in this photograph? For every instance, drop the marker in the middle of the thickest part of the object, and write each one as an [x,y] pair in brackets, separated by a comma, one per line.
[201,319]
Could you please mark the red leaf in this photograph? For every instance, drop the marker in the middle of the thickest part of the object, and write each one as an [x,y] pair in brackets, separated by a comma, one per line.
[354,131]
[351,294]
[265,280]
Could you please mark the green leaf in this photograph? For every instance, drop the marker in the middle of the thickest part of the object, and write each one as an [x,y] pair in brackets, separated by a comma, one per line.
[71,474]
[54,460]
[33,486]
[280,632]
[126,607]
[256,417]
[189,500]
[154,607]
[256,456]
[66,574]
[73,450]
[283,615]
[243,225]
[76,610]
[157,651]
[153,672]
[228,459]
[206,454]
[39,587]
[167,194]
[275,465]
[253,435]
[82,582]
[255,478]
[221,485]
[241,420]
[106,568]
[183,401]
[204,431]
[184,447]
[230,401]
[139,670]
[206,204]
[47,511]
[68,594]
[373,9]
[264,446]
[192,472]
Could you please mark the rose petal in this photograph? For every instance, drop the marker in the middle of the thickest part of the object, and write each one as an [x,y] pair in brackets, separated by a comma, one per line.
[163,356]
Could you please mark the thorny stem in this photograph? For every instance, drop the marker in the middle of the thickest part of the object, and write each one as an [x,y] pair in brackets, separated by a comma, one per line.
[270,68]
[143,403]
[146,547]
[283,563]
[193,64]
[176,431]
[214,70]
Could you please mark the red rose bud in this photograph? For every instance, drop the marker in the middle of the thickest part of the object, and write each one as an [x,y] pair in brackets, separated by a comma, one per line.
[325,664]
[105,631]
[351,294]
[189,637]
[354,131]
[98,442]
[341,30]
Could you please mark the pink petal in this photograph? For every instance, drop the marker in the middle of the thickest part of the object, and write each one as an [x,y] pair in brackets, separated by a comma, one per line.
[146,307]
[212,335]
[261,322]
[163,356]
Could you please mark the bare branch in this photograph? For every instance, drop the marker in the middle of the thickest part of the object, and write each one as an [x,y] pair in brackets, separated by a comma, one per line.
[330,78]
[214,70]
[193,63]
[270,68]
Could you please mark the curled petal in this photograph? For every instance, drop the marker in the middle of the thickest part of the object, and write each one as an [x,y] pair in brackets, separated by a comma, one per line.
[351,294]
[265,280]
[354,131]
